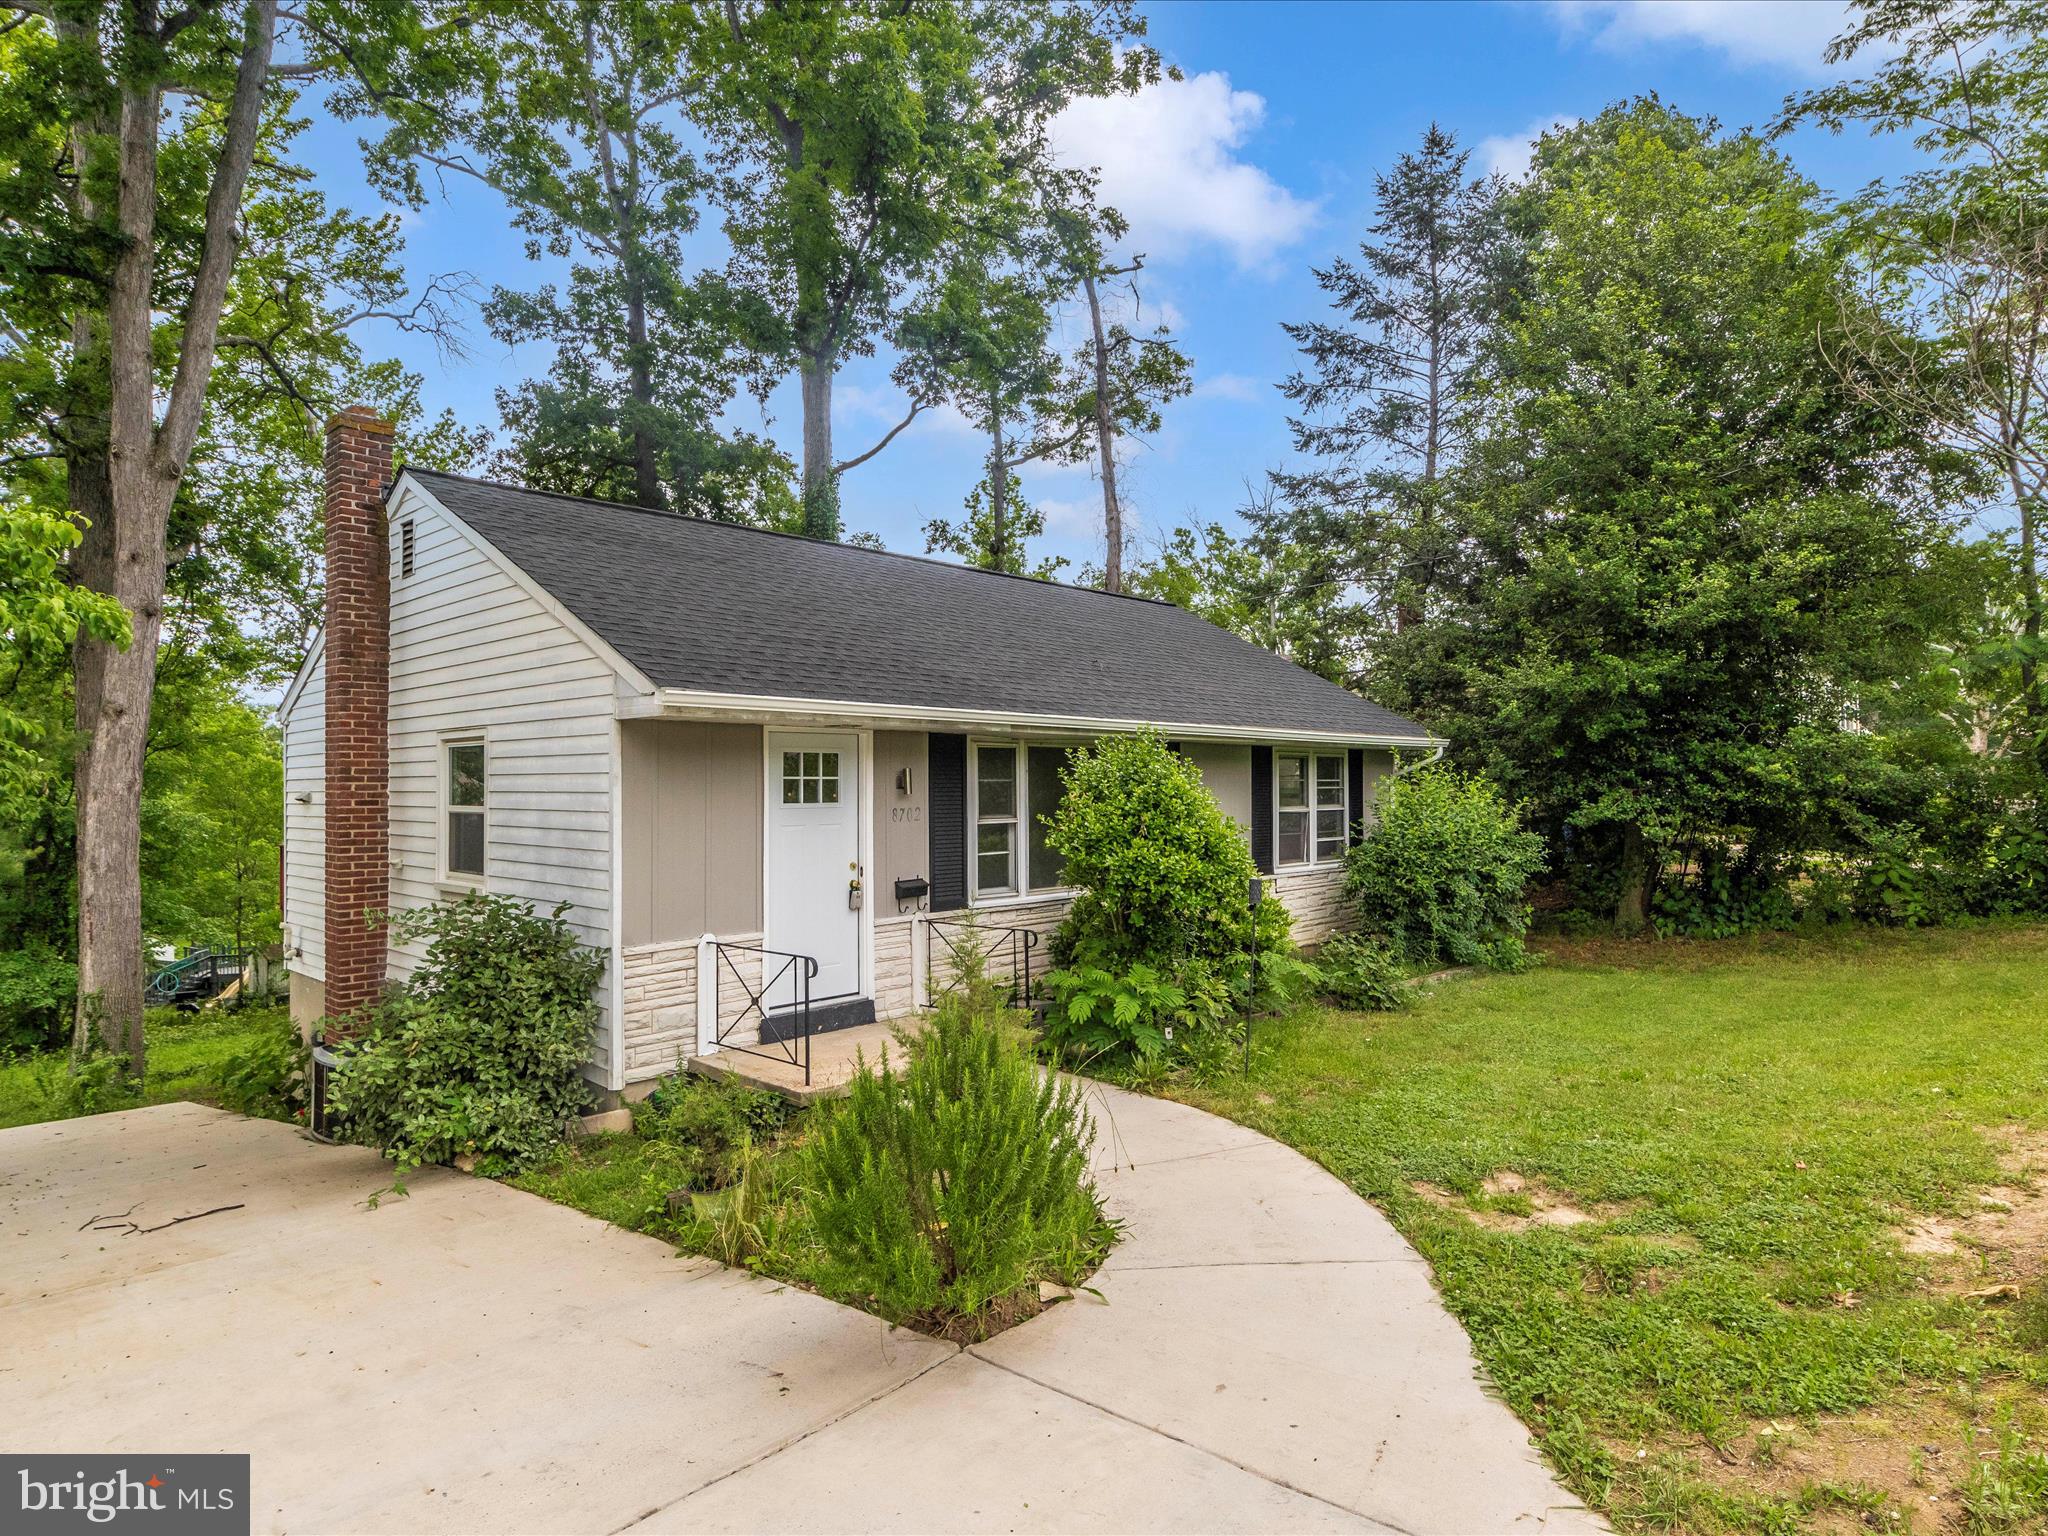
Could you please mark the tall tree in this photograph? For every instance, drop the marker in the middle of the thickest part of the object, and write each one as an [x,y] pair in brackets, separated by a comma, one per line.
[859,143]
[577,115]
[1125,378]
[134,141]
[1697,548]
[1387,395]
[1949,327]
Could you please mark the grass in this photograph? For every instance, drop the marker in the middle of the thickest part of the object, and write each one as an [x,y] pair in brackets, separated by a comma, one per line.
[187,1053]
[1737,1131]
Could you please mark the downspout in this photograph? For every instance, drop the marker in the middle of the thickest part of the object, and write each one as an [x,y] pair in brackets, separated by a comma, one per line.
[1422,762]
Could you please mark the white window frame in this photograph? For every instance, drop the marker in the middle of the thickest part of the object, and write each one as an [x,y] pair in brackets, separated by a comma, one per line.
[1310,756]
[446,809]
[1019,892]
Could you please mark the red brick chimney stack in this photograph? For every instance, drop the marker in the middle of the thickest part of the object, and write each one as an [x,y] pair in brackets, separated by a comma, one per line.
[358,637]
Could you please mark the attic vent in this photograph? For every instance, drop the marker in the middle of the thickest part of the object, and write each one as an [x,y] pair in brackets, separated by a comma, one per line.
[405,548]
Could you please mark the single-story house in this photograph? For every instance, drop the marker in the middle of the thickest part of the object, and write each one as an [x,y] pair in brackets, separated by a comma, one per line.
[726,747]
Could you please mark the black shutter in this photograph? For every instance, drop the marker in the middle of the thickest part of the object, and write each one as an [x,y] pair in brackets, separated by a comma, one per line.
[1357,775]
[946,787]
[1262,809]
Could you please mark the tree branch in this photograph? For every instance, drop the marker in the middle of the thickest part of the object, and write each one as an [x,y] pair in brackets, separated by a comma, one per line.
[854,463]
[180,427]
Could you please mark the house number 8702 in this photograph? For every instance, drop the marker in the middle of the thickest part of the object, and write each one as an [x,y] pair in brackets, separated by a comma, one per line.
[906,813]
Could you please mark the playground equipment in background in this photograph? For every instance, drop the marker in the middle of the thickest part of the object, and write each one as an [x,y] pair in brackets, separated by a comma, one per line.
[206,975]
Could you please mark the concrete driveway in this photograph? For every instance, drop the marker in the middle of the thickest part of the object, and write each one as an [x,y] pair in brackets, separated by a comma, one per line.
[1269,1355]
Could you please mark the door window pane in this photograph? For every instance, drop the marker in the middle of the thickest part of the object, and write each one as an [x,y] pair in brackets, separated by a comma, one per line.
[1046,868]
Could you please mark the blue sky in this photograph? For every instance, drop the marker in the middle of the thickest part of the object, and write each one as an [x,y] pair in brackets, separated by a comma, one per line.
[1236,180]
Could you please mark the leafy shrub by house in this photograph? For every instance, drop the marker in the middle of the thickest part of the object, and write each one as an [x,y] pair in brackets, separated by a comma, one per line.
[267,1077]
[1161,935]
[942,1187]
[1443,871]
[1361,974]
[712,1125]
[480,1051]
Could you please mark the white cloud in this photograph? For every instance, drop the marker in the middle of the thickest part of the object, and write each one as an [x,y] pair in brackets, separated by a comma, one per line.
[1230,386]
[1169,162]
[1788,33]
[1072,519]
[1507,154]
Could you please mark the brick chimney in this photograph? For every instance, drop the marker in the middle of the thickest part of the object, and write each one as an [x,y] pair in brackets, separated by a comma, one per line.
[358,632]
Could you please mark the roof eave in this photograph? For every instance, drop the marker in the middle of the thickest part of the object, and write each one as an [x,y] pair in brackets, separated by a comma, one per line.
[708,704]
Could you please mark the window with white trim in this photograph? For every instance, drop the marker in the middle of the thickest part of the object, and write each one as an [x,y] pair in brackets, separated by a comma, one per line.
[1310,809]
[1012,811]
[465,810]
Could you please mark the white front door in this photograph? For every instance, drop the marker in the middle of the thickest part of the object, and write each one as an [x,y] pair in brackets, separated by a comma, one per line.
[814,858]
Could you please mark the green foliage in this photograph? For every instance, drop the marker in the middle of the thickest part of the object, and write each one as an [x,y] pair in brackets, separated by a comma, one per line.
[1099,1012]
[189,1057]
[38,988]
[266,1077]
[1163,873]
[1691,553]
[2007,1490]
[480,1051]
[1362,974]
[1157,948]
[213,814]
[1444,870]
[941,1189]
[715,1125]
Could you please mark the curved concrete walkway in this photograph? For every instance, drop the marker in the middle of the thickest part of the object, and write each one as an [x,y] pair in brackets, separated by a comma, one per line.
[1267,1355]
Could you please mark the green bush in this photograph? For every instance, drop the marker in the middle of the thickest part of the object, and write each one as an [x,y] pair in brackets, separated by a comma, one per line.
[1362,974]
[945,1187]
[1443,871]
[38,988]
[481,1050]
[712,1125]
[1163,873]
[267,1077]
[1157,948]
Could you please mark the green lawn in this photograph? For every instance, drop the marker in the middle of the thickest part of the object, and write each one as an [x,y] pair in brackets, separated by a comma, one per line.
[1733,1338]
[187,1052]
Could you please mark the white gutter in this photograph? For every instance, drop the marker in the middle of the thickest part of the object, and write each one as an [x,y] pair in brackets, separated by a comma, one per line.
[1422,762]
[701,702]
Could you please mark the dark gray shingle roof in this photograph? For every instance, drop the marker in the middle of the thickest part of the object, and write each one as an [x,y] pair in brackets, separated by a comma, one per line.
[711,606]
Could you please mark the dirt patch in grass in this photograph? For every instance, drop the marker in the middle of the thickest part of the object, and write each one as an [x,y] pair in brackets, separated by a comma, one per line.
[1919,1464]
[2001,1246]
[1515,1202]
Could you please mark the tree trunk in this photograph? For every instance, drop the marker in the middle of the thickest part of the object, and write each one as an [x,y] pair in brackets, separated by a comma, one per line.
[2033,708]
[1632,910]
[821,489]
[1105,445]
[647,487]
[144,462]
[998,496]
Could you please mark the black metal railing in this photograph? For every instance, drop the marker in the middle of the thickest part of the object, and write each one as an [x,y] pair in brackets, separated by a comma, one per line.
[781,1035]
[969,948]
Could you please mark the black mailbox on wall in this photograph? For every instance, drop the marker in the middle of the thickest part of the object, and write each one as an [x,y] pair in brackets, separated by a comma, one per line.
[913,889]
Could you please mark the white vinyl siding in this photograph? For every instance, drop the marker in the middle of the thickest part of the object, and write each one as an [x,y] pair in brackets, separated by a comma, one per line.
[305,825]
[476,657]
